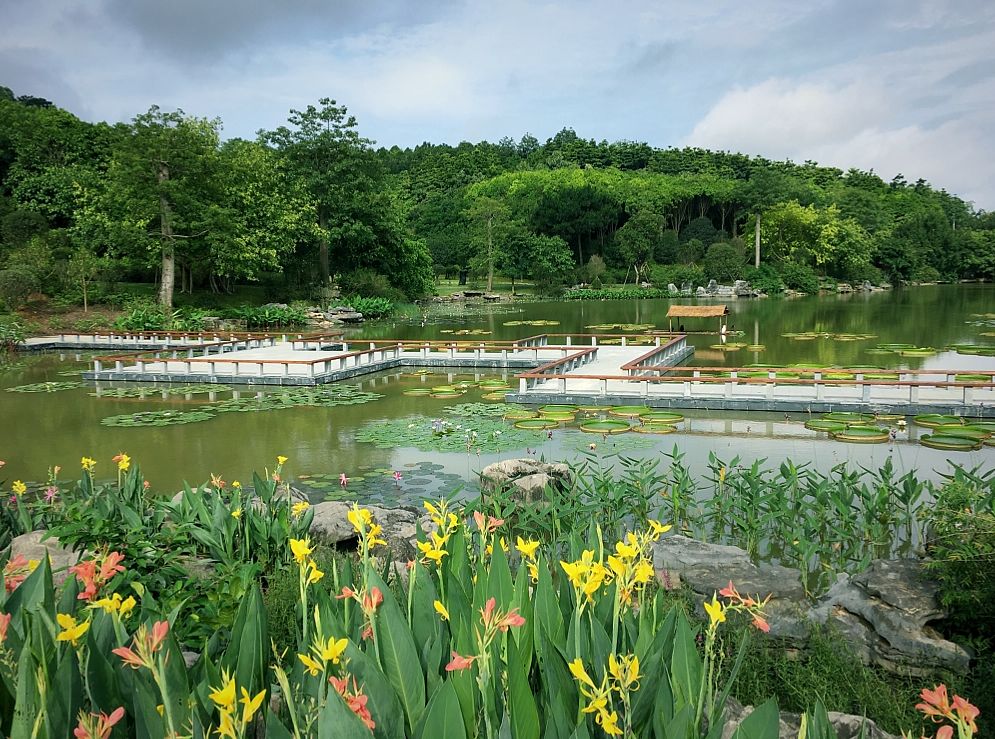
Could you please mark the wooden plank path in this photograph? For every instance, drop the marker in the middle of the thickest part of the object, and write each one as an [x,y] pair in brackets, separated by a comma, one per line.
[553,368]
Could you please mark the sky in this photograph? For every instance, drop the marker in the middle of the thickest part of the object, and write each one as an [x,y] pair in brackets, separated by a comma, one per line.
[897,86]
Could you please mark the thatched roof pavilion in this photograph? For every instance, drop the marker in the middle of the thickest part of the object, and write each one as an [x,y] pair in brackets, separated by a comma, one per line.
[698,311]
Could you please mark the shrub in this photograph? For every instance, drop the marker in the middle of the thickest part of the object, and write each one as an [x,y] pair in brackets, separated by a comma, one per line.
[373,307]
[765,278]
[11,333]
[268,316]
[16,284]
[799,277]
[724,262]
[370,284]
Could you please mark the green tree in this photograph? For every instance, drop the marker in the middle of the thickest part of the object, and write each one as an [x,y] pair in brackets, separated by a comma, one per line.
[162,194]
[83,267]
[323,149]
[639,238]
[492,227]
[724,262]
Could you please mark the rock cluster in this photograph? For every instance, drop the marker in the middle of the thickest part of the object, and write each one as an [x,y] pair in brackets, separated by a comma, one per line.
[847,726]
[883,612]
[526,479]
[337,316]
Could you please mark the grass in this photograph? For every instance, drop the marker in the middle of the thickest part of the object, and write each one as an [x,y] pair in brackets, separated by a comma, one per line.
[828,669]
[448,287]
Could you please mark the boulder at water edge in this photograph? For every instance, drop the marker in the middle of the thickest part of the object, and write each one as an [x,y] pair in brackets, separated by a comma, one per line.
[526,479]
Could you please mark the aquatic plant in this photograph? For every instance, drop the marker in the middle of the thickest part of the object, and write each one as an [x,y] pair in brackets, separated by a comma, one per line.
[46,387]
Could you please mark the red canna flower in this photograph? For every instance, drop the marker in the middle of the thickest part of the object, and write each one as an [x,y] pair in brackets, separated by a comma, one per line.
[729,591]
[4,625]
[512,618]
[761,623]
[354,699]
[111,566]
[935,702]
[945,732]
[97,726]
[347,592]
[160,630]
[131,659]
[966,712]
[372,600]
[487,612]
[459,663]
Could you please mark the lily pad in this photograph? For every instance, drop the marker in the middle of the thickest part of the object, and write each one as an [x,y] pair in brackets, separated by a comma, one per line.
[157,418]
[496,395]
[417,392]
[661,417]
[821,424]
[932,420]
[520,415]
[46,387]
[477,410]
[961,431]
[607,426]
[629,411]
[536,424]
[862,434]
[949,443]
[848,417]
[655,427]
[557,409]
[488,435]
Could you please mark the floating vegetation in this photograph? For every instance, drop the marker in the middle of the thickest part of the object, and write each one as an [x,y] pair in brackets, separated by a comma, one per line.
[981,350]
[531,323]
[487,435]
[655,427]
[417,392]
[200,389]
[889,417]
[949,443]
[919,351]
[495,395]
[756,347]
[46,387]
[726,347]
[323,396]
[157,418]
[621,326]
[536,424]
[139,391]
[607,426]
[73,373]
[629,411]
[519,414]
[661,417]
[848,417]
[988,426]
[454,393]
[962,432]
[558,417]
[932,420]
[973,378]
[558,409]
[477,410]
[592,408]
[822,424]
[852,337]
[862,434]
[469,332]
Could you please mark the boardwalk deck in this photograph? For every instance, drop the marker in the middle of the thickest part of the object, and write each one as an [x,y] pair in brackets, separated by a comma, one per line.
[553,368]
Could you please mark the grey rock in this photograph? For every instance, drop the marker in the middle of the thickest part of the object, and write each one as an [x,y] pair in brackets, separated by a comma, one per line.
[331,525]
[492,297]
[527,478]
[672,288]
[847,726]
[190,658]
[342,309]
[884,612]
[700,292]
[31,546]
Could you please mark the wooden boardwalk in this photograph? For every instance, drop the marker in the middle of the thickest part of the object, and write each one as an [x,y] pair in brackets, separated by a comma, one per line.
[552,368]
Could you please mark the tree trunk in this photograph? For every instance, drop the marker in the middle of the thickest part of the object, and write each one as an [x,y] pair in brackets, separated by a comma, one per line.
[756,242]
[463,273]
[490,255]
[85,309]
[323,251]
[580,252]
[168,247]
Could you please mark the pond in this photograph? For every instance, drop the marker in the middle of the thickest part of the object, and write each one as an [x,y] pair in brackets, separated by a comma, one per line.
[369,429]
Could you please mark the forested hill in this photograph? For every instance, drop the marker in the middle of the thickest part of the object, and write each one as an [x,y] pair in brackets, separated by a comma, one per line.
[166,199]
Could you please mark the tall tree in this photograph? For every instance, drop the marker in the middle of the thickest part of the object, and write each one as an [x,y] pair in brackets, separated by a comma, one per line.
[323,148]
[163,189]
[492,227]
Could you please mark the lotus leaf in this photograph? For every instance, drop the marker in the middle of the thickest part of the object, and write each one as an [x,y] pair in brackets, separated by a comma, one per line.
[46,387]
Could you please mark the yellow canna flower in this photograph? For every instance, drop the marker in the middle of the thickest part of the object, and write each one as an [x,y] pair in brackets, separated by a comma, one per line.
[331,649]
[127,606]
[224,697]
[579,673]
[609,723]
[281,460]
[432,552]
[19,487]
[71,630]
[123,462]
[314,574]
[88,464]
[237,485]
[533,569]
[527,548]
[226,725]
[250,704]
[624,670]
[299,508]
[312,666]
[237,513]
[433,512]
[657,529]
[441,610]
[360,518]
[301,549]
[627,550]
[644,571]
[617,566]
[716,611]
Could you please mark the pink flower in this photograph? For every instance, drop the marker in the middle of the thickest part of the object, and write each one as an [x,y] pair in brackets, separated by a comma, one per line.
[4,624]
[397,477]
[459,663]
[50,493]
[343,480]
[761,623]
[512,618]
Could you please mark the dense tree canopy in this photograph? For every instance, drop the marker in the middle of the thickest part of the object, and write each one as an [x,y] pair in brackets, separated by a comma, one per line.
[166,199]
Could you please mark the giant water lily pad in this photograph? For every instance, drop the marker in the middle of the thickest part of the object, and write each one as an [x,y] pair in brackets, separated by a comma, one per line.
[949,443]
[157,418]
[478,410]
[848,417]
[629,411]
[862,434]
[655,427]
[661,417]
[607,426]
[821,424]
[495,395]
[536,424]
[488,435]
[46,387]
[932,420]
[963,432]
[532,323]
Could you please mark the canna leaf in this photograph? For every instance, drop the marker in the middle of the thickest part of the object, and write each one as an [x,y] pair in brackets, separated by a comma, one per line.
[521,703]
[442,717]
[336,721]
[762,723]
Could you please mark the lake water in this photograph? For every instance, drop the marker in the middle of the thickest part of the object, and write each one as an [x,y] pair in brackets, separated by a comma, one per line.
[43,429]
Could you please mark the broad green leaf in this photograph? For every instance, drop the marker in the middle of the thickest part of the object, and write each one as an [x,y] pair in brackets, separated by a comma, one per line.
[398,654]
[521,703]
[337,721]
[384,705]
[443,717]
[762,723]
